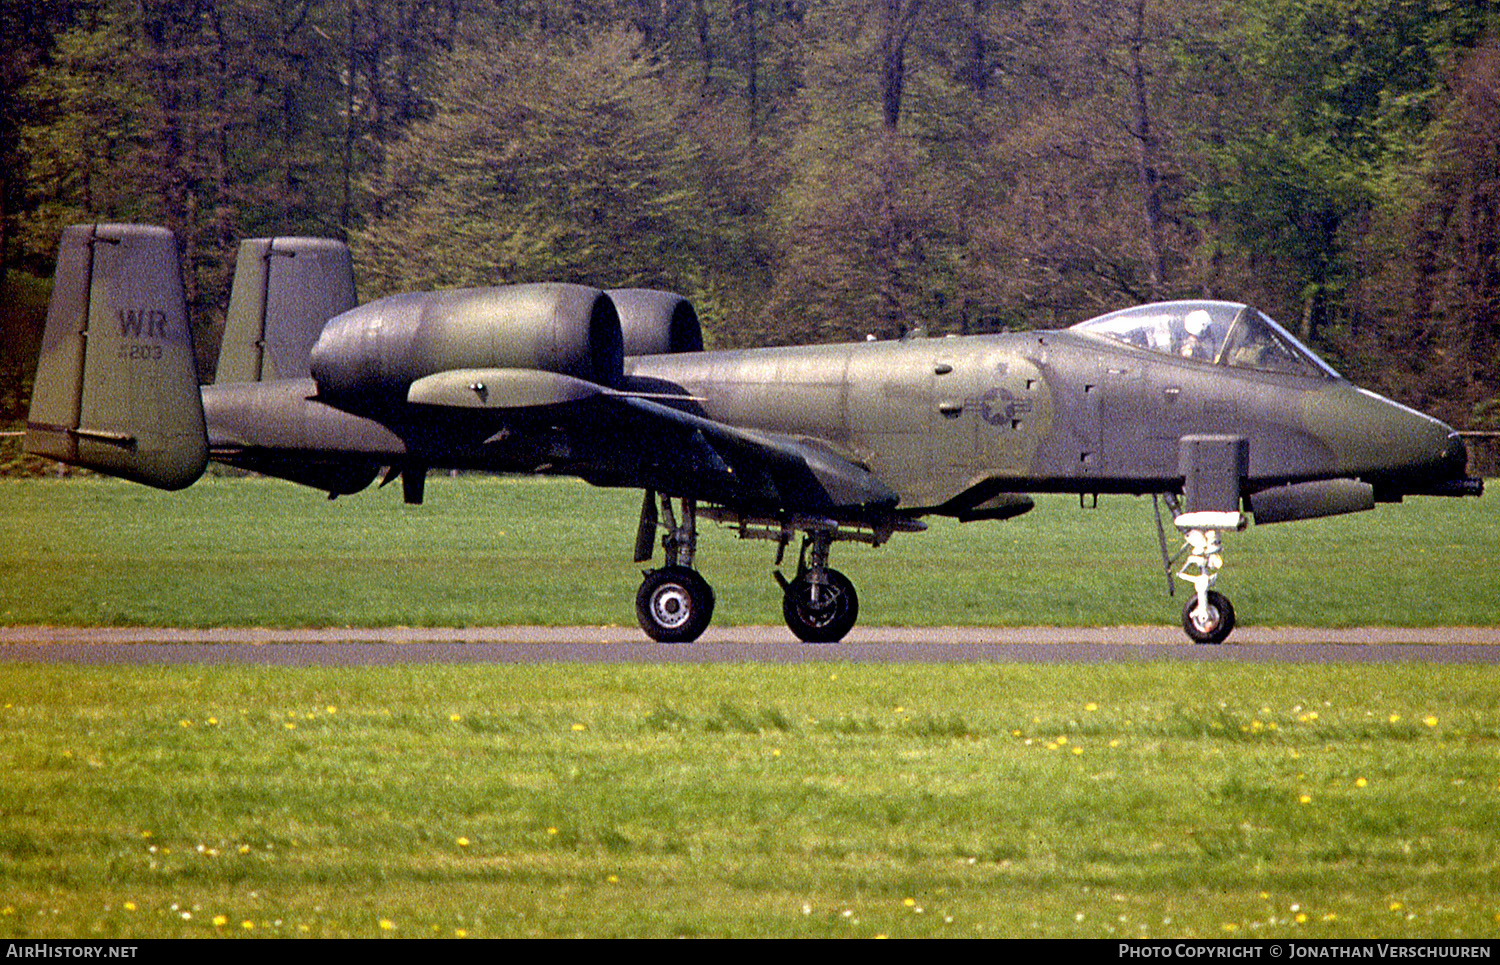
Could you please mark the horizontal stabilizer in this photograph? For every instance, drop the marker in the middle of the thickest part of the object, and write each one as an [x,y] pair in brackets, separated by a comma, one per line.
[116,385]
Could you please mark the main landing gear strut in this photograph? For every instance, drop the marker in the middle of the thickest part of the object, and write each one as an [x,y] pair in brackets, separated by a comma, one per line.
[819,604]
[674,603]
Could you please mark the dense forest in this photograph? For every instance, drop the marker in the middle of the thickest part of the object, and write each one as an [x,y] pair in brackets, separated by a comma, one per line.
[804,170]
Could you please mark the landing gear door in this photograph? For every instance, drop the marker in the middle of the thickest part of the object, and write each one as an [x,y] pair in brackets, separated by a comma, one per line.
[1212,470]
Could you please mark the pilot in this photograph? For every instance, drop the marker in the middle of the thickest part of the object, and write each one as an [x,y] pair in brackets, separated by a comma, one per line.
[1198,328]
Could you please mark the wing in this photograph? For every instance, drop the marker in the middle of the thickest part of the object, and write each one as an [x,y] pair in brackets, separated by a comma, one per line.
[615,438]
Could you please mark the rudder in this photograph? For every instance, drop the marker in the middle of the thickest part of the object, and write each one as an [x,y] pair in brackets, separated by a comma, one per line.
[284,290]
[116,385]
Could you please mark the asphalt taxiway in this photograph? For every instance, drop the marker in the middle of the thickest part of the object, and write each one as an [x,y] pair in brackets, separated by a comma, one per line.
[358,646]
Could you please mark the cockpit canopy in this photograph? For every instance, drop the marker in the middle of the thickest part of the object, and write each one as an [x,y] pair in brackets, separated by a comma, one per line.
[1221,333]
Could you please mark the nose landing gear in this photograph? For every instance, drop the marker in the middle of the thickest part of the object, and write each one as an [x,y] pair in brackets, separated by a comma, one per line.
[1208,617]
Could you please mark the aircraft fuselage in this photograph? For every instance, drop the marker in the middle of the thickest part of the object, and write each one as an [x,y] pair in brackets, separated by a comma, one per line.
[1052,411]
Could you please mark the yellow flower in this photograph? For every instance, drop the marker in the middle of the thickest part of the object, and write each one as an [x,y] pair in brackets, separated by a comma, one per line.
[579,727]
[387,925]
[220,921]
[1305,799]
[460,933]
[1394,718]
[1430,720]
[1091,706]
[130,906]
[1360,782]
[455,718]
[463,842]
[248,925]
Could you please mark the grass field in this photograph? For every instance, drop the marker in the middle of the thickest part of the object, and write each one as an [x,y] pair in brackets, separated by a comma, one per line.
[485,551]
[1143,800]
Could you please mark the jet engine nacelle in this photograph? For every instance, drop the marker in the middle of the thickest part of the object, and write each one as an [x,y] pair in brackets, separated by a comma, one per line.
[656,323]
[386,345]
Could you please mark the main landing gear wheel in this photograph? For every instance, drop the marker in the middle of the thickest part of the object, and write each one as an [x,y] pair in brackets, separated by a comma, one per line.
[1215,627]
[674,604]
[820,614]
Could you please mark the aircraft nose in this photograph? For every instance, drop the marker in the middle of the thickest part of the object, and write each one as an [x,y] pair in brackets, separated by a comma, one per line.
[1455,456]
[1423,450]
[1397,448]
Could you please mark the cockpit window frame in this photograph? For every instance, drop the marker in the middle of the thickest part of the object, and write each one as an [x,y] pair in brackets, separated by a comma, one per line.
[1249,338]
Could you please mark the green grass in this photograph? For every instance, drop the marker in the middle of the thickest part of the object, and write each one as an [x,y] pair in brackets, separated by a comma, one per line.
[820,801]
[492,551]
[1157,800]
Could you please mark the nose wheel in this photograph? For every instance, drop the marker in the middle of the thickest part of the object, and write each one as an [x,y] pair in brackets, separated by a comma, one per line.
[1210,621]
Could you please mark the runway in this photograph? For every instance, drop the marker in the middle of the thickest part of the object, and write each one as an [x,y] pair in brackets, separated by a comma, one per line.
[389,646]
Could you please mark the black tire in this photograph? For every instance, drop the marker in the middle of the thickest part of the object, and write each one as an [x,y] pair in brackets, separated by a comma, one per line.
[674,605]
[1220,623]
[826,621]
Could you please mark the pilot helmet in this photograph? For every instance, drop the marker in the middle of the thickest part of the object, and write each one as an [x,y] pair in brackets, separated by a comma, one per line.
[1197,323]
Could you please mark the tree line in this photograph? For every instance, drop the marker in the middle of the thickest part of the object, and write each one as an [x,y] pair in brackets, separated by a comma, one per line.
[804,170]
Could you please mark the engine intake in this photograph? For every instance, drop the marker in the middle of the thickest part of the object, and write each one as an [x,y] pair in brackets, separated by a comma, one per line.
[656,322]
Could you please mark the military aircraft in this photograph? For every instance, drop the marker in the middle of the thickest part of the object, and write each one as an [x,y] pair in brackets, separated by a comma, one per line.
[1210,405]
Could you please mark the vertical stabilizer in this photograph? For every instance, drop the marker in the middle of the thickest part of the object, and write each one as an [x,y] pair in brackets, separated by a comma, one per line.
[284,290]
[116,385]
